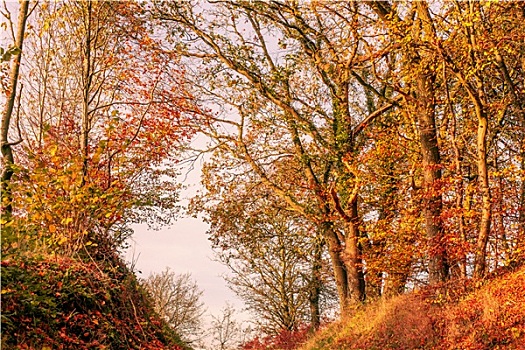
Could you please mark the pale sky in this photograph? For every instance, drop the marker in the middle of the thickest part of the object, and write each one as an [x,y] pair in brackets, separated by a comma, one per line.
[184,247]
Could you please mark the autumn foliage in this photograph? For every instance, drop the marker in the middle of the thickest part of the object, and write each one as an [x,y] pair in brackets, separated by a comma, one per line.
[380,143]
[284,340]
[394,130]
[104,111]
[475,315]
[100,110]
[61,303]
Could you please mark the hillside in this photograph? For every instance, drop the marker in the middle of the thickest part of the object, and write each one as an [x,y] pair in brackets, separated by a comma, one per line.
[489,315]
[62,303]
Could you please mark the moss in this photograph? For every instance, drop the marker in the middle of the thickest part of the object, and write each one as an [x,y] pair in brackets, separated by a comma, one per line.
[63,303]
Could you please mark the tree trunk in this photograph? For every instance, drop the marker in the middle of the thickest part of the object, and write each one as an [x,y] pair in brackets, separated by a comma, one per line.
[486,209]
[423,107]
[315,287]
[87,78]
[7,150]
[338,264]
[476,94]
[520,239]
[437,266]
[353,257]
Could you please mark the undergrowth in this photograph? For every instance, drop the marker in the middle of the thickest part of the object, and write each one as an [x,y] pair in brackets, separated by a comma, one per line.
[61,303]
[471,315]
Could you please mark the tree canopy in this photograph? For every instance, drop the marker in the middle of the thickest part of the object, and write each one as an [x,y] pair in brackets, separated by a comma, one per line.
[354,149]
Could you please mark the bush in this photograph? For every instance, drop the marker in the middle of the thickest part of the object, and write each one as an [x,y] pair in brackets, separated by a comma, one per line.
[285,340]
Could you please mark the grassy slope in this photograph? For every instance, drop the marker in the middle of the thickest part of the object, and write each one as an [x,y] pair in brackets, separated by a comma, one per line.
[489,315]
[61,303]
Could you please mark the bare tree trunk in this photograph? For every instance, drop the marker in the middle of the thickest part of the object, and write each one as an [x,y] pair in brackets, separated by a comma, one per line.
[87,78]
[7,150]
[315,287]
[353,260]
[338,265]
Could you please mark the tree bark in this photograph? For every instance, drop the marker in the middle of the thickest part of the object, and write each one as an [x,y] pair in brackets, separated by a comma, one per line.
[87,78]
[315,287]
[353,257]
[520,239]
[7,150]
[486,209]
[424,109]
[437,266]
[338,264]
[476,94]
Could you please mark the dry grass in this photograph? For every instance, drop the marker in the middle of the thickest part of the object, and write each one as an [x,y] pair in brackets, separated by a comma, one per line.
[490,316]
[402,322]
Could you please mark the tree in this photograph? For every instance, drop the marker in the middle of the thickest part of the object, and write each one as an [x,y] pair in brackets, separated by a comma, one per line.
[313,99]
[102,117]
[276,258]
[226,332]
[420,100]
[11,55]
[177,299]
[460,52]
[483,59]
[319,127]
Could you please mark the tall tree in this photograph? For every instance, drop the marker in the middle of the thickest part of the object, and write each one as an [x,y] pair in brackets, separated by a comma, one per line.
[276,264]
[309,97]
[389,127]
[101,118]
[14,56]
[420,100]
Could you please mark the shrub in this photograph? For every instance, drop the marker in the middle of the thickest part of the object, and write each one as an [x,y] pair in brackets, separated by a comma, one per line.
[284,340]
